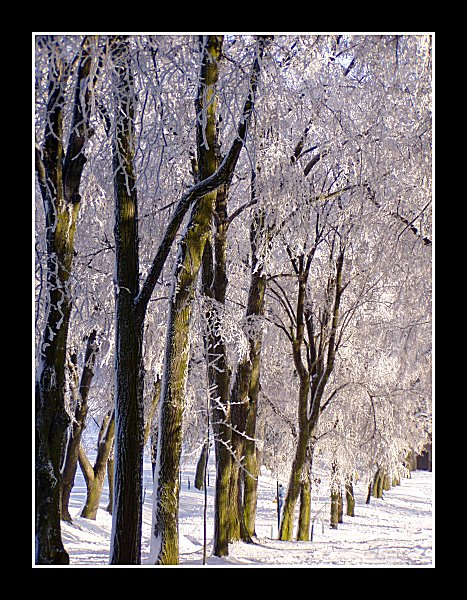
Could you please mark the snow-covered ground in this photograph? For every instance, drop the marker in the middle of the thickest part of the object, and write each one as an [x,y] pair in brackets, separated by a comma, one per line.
[393,531]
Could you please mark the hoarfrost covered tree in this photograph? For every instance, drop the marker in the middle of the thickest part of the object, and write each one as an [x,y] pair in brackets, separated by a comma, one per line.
[329,207]
[68,67]
[164,543]
[133,297]
[352,152]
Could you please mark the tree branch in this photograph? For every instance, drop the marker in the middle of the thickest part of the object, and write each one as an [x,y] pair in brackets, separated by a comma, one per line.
[222,176]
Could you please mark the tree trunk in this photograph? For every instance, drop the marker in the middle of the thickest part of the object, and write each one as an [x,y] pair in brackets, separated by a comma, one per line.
[79,423]
[214,276]
[164,541]
[313,377]
[377,487]
[95,476]
[59,176]
[255,310]
[293,489]
[239,407]
[128,450]
[110,480]
[386,483]
[166,480]
[350,499]
[201,466]
[303,532]
[369,493]
[335,497]
[214,279]
[340,512]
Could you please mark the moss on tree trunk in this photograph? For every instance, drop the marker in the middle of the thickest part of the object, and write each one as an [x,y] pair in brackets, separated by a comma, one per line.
[350,499]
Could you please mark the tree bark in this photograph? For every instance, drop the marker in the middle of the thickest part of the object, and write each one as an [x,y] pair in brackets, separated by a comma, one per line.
[350,499]
[128,450]
[165,523]
[95,476]
[377,487]
[259,237]
[293,489]
[304,518]
[239,407]
[201,467]
[335,496]
[59,175]
[214,279]
[303,531]
[79,423]
[166,479]
[164,549]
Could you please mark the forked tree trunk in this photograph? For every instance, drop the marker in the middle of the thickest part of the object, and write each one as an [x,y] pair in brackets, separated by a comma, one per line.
[80,393]
[95,476]
[314,376]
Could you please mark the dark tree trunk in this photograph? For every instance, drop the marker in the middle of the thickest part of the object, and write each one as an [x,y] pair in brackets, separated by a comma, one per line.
[201,467]
[59,177]
[303,532]
[128,450]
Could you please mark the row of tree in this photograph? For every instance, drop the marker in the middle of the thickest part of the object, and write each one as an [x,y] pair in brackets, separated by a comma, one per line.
[261,277]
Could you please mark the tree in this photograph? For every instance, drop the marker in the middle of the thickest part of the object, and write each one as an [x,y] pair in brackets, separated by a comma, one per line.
[165,518]
[126,527]
[95,475]
[318,230]
[59,169]
[315,372]
[80,391]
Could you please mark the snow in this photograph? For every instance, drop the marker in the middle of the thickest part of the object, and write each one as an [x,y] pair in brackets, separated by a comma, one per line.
[395,531]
